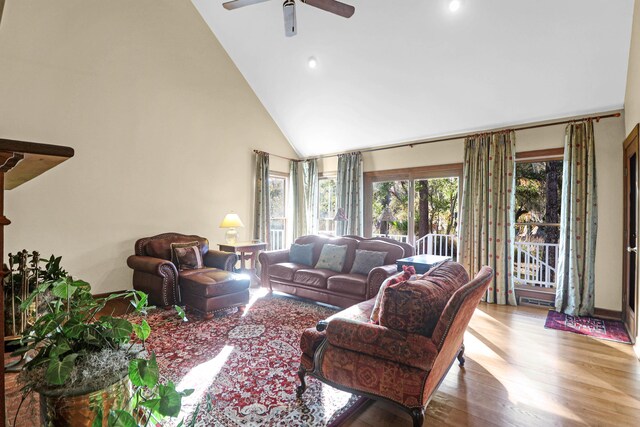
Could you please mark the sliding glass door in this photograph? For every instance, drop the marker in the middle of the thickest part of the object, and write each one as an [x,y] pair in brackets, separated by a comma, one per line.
[417,206]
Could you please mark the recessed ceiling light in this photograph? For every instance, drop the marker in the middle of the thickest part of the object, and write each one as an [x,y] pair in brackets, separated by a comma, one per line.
[454,5]
[313,62]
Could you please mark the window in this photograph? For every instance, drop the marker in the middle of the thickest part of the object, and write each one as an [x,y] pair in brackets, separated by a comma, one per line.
[538,204]
[277,211]
[416,205]
[538,200]
[327,205]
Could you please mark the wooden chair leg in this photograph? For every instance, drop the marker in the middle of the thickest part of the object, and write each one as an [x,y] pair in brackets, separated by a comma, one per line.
[461,358]
[303,384]
[417,415]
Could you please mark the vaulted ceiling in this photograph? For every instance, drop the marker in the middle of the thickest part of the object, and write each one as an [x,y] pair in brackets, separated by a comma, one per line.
[402,70]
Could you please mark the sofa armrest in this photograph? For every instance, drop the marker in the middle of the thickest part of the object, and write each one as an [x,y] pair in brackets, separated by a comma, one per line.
[409,349]
[268,258]
[220,259]
[273,257]
[155,266]
[377,276]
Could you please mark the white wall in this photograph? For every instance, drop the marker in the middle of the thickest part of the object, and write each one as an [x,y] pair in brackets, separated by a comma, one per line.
[632,98]
[162,122]
[609,135]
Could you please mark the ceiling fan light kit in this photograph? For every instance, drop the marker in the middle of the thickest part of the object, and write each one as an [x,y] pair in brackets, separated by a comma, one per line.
[289,10]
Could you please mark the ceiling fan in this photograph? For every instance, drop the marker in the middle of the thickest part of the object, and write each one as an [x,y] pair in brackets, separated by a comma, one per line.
[289,9]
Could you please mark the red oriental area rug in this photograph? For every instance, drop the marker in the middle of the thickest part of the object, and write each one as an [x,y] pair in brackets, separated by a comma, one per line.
[243,366]
[612,330]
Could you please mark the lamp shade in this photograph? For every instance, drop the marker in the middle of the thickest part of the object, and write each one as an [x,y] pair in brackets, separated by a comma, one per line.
[231,220]
[387,215]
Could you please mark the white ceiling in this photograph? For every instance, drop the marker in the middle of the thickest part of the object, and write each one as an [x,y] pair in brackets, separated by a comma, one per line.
[402,70]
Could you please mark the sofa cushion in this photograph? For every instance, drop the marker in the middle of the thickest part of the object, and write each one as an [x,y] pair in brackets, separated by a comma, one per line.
[366,261]
[316,277]
[392,251]
[332,257]
[187,256]
[284,270]
[301,254]
[161,247]
[408,271]
[352,284]
[319,241]
[415,306]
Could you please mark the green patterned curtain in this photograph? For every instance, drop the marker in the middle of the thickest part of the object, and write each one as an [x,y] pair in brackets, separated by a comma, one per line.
[298,221]
[303,176]
[349,193]
[487,213]
[578,222]
[261,215]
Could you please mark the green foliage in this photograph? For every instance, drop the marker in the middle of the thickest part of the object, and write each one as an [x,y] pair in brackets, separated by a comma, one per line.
[327,203]
[436,204]
[70,330]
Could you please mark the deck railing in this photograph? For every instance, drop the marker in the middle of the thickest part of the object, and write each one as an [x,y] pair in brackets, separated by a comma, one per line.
[276,239]
[399,237]
[535,264]
[438,244]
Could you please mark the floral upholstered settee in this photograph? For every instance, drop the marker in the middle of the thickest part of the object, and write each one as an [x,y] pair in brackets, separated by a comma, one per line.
[404,353]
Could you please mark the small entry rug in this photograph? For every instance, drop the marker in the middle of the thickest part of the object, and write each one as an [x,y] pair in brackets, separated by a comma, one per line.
[611,330]
[243,366]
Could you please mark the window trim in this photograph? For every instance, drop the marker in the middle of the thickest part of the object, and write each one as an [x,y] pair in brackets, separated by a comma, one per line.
[534,156]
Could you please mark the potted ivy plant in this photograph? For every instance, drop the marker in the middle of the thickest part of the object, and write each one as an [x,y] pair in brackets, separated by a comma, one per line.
[90,369]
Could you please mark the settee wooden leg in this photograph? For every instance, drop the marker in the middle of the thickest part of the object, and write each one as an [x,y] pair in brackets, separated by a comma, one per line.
[461,358]
[303,384]
[418,417]
[208,315]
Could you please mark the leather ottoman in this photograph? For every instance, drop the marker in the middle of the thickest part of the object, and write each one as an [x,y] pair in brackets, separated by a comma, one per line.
[213,290]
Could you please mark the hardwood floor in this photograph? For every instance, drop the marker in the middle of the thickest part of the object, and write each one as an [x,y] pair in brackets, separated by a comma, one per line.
[518,373]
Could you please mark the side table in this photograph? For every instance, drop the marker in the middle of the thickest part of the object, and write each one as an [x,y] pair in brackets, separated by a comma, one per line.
[247,250]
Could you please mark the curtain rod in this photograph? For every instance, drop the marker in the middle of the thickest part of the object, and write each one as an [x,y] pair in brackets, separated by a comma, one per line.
[460,136]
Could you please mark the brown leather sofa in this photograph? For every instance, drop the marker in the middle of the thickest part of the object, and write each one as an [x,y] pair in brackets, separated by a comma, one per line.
[340,289]
[397,364]
[206,290]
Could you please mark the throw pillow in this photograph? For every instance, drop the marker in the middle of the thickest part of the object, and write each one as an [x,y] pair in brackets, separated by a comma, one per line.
[301,254]
[185,257]
[415,306]
[332,257]
[408,273]
[366,261]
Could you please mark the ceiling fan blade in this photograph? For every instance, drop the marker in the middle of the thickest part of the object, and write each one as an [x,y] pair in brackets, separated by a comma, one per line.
[289,10]
[332,6]
[235,4]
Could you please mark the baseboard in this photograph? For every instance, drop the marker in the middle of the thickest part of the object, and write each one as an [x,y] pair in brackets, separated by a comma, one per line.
[605,313]
[107,294]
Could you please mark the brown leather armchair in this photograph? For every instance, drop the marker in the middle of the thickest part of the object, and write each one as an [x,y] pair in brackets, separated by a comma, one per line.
[156,275]
[397,365]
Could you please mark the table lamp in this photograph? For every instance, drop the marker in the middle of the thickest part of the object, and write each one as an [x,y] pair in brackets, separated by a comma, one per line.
[230,222]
